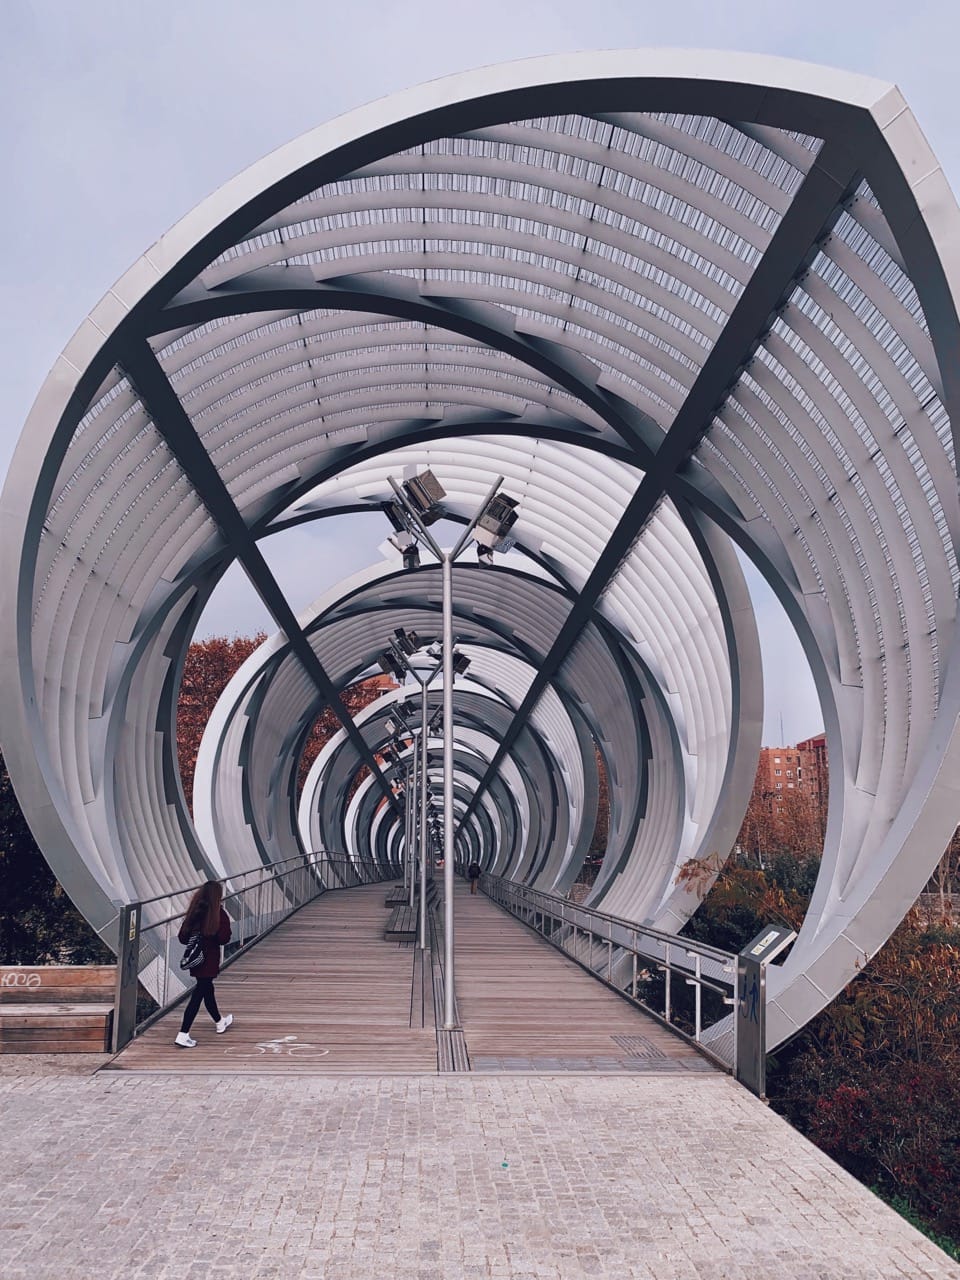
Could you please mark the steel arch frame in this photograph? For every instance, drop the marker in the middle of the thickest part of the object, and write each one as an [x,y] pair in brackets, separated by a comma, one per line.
[858,541]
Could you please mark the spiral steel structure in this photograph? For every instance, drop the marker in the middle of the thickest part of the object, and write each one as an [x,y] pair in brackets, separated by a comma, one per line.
[683,303]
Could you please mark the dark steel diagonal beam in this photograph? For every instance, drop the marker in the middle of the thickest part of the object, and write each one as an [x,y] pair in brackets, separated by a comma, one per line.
[811,216]
[171,421]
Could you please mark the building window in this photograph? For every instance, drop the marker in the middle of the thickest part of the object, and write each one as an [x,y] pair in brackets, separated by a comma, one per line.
[778,772]
[779,786]
[776,759]
[790,785]
[789,773]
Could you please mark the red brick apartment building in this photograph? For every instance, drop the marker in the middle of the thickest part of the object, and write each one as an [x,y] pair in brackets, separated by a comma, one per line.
[801,768]
[816,774]
[788,808]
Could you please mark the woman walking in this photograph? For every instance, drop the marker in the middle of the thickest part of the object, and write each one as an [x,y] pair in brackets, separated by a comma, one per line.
[204,916]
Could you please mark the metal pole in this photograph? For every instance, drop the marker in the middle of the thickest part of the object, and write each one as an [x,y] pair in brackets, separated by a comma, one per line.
[446,561]
[410,853]
[406,824]
[423,815]
[449,990]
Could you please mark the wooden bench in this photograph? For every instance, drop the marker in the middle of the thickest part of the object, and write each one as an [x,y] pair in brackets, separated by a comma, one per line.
[402,925]
[56,1008]
[396,897]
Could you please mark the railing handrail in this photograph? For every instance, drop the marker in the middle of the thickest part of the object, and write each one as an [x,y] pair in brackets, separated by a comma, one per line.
[613,932]
[691,945]
[269,867]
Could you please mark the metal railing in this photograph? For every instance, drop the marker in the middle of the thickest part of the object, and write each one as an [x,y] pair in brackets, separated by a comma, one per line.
[149,978]
[652,969]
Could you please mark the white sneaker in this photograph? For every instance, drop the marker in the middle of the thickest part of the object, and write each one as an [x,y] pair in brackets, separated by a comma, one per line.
[225,1021]
[184,1040]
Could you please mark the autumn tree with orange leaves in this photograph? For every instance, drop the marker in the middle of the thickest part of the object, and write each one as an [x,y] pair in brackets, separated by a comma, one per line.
[207,670]
[788,822]
[874,1080]
[210,665]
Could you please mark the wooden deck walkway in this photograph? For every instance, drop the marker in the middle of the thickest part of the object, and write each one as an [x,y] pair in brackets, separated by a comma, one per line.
[325,994]
[525,1006]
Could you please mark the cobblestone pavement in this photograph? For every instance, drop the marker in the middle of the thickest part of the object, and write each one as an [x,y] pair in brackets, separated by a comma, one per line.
[428,1178]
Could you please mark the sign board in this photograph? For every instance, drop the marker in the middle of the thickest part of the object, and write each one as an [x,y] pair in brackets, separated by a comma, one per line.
[751,1007]
[768,944]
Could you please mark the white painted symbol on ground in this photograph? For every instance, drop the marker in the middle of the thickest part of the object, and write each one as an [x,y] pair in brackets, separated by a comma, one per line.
[281,1047]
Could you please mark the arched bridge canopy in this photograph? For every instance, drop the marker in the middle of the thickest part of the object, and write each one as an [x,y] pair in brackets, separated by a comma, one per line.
[684,302]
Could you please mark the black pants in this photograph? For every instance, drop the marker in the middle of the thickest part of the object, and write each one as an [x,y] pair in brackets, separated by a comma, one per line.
[202,991]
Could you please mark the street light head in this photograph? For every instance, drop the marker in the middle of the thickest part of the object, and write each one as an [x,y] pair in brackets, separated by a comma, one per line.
[406,543]
[390,666]
[460,663]
[408,642]
[397,517]
[499,517]
[424,492]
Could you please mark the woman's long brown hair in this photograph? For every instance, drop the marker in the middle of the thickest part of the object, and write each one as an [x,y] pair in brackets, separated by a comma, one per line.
[203,913]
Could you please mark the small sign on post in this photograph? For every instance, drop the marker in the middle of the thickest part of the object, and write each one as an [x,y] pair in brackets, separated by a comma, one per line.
[750,1067]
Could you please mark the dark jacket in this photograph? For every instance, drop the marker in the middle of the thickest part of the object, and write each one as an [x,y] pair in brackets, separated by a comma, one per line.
[473,871]
[211,946]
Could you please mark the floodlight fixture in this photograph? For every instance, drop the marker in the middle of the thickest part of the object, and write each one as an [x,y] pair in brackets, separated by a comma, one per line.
[406,543]
[460,663]
[397,517]
[390,665]
[408,642]
[424,492]
[498,518]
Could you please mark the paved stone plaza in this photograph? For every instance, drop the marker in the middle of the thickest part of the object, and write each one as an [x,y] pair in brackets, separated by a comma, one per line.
[427,1178]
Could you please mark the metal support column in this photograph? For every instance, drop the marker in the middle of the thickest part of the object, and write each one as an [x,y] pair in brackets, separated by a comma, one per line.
[410,853]
[449,1001]
[423,815]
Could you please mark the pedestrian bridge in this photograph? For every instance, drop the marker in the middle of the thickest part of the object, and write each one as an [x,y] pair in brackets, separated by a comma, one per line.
[686,308]
[609,322]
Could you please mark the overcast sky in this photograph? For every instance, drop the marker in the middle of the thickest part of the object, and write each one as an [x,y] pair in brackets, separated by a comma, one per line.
[118,116]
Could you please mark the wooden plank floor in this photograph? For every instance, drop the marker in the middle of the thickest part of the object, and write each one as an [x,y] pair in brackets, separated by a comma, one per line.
[523,1005]
[322,994]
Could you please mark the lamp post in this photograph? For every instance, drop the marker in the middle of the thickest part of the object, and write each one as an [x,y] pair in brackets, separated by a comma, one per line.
[394,727]
[406,656]
[418,498]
